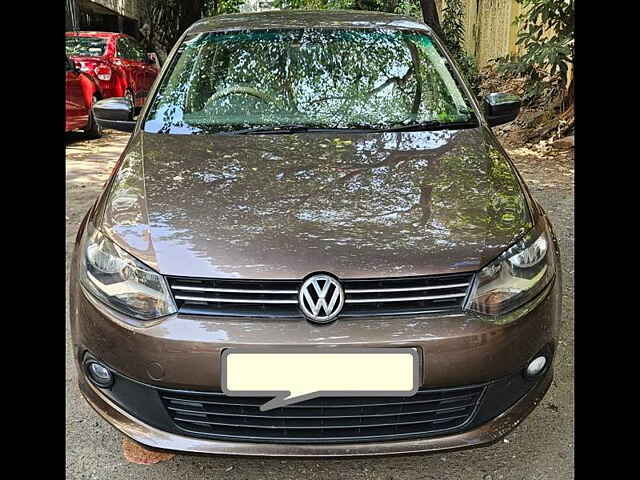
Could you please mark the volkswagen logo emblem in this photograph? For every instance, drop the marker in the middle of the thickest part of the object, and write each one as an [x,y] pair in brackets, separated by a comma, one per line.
[321,298]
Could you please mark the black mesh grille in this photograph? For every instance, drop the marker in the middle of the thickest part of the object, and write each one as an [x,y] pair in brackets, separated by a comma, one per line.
[326,419]
[279,298]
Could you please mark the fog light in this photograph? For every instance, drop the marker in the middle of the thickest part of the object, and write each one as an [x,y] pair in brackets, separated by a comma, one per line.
[536,366]
[99,374]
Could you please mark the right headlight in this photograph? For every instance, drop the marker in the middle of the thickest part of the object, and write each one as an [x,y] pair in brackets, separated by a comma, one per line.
[121,281]
[515,277]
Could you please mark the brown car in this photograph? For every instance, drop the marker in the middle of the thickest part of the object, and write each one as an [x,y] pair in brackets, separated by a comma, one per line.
[280,146]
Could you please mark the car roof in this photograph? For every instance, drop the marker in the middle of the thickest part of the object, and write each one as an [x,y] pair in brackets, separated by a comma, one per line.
[278,19]
[96,34]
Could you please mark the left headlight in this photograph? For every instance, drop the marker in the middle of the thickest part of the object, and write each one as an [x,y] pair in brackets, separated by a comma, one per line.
[516,277]
[121,281]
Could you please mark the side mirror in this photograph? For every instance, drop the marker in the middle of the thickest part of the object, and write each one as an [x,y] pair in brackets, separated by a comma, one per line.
[116,113]
[501,108]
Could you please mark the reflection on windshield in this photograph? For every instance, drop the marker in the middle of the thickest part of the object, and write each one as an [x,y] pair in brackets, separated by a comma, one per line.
[306,77]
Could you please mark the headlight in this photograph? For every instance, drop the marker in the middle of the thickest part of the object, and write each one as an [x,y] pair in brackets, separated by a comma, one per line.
[121,281]
[515,277]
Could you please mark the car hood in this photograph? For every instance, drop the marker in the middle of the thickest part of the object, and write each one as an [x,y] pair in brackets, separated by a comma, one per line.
[284,206]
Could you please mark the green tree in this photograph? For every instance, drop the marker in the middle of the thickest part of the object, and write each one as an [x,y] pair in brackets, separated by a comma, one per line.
[546,38]
[453,36]
[165,20]
[422,9]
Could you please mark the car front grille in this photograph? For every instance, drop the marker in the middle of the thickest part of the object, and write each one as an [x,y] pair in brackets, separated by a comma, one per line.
[279,298]
[325,419]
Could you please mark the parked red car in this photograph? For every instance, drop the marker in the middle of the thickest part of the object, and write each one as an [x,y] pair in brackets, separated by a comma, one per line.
[82,91]
[117,60]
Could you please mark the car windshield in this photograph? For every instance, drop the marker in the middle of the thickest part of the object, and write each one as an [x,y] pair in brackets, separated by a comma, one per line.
[306,78]
[85,46]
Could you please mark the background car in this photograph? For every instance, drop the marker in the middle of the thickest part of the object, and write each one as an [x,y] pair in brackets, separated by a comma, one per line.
[117,60]
[82,91]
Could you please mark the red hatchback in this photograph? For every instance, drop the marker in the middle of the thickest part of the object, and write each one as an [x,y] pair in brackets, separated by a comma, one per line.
[82,91]
[117,60]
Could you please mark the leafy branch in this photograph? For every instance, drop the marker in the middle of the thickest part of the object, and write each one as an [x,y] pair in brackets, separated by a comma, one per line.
[546,39]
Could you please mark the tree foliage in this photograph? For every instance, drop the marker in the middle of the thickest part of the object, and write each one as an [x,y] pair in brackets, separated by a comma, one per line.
[453,36]
[546,37]
[405,7]
[451,30]
[453,25]
[165,20]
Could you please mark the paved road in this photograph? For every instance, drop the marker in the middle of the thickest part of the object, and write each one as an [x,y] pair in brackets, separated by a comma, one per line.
[540,448]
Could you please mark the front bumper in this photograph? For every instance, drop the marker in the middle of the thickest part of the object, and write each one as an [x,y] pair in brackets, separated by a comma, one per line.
[145,434]
[183,352]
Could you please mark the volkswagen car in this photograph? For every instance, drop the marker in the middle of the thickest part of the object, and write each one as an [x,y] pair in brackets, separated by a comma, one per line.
[313,180]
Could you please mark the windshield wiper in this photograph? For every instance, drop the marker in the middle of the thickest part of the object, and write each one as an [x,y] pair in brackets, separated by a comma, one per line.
[294,128]
[432,125]
[271,130]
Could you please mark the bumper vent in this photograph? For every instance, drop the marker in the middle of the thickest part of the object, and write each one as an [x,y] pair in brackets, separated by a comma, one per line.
[279,298]
[323,420]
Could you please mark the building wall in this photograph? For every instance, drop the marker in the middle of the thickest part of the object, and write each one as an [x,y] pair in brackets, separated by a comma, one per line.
[104,15]
[489,29]
[127,8]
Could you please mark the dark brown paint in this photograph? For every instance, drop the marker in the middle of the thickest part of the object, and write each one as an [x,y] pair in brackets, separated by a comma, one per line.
[284,206]
[486,434]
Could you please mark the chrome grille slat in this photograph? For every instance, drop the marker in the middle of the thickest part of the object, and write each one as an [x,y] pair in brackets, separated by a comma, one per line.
[402,299]
[231,300]
[363,297]
[236,290]
[413,289]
